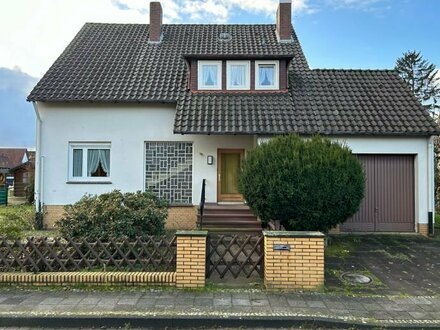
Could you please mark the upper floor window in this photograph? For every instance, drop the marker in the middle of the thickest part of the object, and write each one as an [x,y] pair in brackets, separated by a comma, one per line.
[89,162]
[210,75]
[266,75]
[238,74]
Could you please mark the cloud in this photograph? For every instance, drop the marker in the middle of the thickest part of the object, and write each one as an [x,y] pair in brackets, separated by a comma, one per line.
[16,79]
[216,11]
[38,30]
[18,119]
[365,5]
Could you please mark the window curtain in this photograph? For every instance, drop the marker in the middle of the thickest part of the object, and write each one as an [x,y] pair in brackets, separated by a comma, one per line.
[77,162]
[266,75]
[209,75]
[96,157]
[237,75]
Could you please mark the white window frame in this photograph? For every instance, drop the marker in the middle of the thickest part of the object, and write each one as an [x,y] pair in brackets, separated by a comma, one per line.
[200,65]
[277,75]
[247,84]
[85,147]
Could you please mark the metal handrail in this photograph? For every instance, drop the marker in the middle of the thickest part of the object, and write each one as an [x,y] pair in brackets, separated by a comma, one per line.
[202,203]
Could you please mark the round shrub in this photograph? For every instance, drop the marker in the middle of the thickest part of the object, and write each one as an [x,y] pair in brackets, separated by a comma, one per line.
[307,184]
[115,215]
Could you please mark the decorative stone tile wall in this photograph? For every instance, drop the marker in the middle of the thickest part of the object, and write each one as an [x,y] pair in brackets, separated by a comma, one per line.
[168,170]
[293,260]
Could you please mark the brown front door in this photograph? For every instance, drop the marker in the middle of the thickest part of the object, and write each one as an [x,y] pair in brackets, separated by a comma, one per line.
[229,162]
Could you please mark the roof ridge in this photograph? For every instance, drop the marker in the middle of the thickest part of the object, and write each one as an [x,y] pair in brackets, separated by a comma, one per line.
[183,24]
[354,70]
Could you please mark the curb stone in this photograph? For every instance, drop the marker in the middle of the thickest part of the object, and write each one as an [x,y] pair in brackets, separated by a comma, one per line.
[199,319]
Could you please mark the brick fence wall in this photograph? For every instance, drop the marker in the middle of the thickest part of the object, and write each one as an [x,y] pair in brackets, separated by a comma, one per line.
[191,259]
[293,260]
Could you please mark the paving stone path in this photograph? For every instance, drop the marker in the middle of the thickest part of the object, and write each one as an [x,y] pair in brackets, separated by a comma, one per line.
[421,311]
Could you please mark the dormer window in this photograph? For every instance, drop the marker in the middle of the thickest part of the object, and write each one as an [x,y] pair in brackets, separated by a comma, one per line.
[266,75]
[209,75]
[238,75]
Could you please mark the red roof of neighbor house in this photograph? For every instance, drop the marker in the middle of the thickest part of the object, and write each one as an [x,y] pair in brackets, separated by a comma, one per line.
[11,157]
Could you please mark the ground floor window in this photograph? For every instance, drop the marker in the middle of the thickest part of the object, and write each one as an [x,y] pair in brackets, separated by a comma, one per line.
[168,170]
[89,162]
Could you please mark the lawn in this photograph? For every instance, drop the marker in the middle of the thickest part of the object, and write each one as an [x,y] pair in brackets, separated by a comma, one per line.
[17,221]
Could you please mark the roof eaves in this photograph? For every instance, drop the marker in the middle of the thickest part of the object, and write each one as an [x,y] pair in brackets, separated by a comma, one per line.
[62,100]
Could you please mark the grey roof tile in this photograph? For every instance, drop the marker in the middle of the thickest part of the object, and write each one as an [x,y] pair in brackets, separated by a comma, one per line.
[334,102]
[116,63]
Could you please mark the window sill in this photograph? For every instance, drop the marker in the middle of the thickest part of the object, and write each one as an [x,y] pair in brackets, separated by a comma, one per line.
[89,182]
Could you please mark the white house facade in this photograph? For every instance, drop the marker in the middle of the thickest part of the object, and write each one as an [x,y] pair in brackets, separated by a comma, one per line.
[113,121]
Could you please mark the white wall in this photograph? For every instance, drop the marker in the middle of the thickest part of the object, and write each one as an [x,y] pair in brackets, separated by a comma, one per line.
[126,127]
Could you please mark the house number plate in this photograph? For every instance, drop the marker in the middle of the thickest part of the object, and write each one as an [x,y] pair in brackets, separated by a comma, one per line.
[281,247]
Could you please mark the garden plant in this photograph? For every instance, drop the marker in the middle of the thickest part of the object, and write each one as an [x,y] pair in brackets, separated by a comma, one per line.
[306,184]
[115,215]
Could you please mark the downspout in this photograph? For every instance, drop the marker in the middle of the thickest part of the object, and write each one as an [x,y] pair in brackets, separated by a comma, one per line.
[431,188]
[38,197]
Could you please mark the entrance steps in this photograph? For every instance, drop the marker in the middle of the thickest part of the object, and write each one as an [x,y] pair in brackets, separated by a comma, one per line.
[228,218]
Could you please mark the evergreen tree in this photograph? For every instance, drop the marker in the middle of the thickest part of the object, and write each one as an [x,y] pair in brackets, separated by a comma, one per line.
[422,77]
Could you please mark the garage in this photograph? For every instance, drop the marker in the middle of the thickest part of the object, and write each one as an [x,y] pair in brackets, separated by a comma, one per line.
[388,205]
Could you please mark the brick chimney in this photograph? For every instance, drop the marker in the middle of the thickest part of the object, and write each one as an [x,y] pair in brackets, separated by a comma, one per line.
[155,21]
[284,21]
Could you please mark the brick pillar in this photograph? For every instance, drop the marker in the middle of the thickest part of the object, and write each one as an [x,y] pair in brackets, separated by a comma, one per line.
[293,259]
[191,259]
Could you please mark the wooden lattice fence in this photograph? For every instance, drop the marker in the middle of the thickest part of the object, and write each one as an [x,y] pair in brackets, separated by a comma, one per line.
[153,253]
[237,255]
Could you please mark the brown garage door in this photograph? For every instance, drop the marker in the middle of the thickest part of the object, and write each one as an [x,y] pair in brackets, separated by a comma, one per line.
[389,195]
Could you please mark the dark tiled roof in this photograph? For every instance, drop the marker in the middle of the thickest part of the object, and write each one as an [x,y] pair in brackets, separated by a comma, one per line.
[115,62]
[233,113]
[319,101]
[11,157]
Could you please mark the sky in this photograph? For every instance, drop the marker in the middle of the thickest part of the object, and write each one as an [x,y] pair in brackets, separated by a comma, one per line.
[362,34]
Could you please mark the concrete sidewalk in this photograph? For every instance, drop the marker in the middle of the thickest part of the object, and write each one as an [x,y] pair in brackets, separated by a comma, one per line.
[176,308]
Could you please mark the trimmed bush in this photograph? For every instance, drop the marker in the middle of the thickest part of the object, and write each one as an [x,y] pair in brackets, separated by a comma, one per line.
[115,215]
[307,184]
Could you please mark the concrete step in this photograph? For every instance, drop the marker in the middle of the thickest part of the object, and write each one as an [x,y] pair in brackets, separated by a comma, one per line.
[228,217]
[231,230]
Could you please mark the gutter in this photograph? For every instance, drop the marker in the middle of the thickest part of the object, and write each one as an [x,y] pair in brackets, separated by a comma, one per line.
[431,188]
[38,194]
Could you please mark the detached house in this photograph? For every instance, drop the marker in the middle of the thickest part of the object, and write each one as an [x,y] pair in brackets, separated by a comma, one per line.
[168,107]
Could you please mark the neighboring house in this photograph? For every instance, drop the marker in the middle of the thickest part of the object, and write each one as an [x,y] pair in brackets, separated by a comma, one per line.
[162,107]
[18,165]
